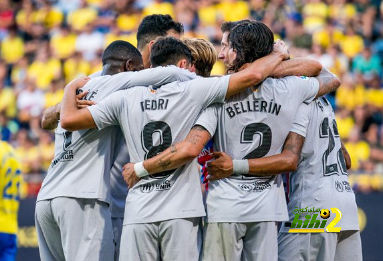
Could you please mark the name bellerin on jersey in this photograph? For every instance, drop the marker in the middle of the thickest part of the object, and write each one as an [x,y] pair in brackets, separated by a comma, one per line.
[253,106]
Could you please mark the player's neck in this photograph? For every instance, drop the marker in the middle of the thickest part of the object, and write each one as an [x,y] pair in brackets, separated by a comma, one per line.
[111,70]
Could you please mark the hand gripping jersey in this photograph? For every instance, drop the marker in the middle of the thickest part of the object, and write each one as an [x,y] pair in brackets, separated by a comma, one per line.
[253,124]
[83,159]
[152,120]
[10,178]
[321,180]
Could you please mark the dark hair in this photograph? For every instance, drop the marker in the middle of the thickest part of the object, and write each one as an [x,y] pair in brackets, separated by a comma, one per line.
[119,52]
[168,51]
[251,40]
[156,25]
[228,26]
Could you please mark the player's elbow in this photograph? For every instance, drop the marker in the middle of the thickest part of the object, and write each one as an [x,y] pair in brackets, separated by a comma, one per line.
[256,78]
[291,163]
[317,67]
[336,83]
[68,123]
[190,152]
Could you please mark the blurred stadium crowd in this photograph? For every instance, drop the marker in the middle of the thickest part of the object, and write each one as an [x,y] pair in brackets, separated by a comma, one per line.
[45,44]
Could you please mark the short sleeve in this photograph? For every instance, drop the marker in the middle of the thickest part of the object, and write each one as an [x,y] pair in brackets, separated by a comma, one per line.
[106,113]
[207,91]
[302,119]
[209,118]
[306,88]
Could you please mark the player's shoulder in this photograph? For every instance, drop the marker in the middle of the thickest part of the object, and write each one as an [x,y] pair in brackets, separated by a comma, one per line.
[290,79]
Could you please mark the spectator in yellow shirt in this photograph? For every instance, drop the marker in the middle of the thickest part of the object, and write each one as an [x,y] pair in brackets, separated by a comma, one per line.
[63,43]
[315,13]
[54,94]
[158,7]
[75,67]
[234,10]
[44,70]
[12,47]
[359,150]
[352,44]
[81,17]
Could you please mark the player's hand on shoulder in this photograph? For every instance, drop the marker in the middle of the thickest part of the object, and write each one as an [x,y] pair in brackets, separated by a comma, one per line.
[81,104]
[78,82]
[221,167]
[281,47]
[129,175]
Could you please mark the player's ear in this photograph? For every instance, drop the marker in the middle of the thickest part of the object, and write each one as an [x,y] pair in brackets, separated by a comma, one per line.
[182,64]
[129,66]
[150,44]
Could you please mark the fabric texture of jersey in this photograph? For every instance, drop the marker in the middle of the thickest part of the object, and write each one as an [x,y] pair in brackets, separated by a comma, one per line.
[10,178]
[253,124]
[152,120]
[83,159]
[321,179]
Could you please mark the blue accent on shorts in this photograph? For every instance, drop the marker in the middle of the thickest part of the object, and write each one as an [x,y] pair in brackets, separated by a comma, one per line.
[8,247]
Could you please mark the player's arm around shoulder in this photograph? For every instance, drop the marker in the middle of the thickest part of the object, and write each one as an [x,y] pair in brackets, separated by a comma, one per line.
[297,67]
[51,115]
[257,71]
[71,117]
[173,157]
[328,82]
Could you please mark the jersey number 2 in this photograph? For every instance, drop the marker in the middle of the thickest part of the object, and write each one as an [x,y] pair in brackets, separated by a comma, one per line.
[265,138]
[325,132]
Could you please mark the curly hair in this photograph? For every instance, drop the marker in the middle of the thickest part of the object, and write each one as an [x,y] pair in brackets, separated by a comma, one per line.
[251,40]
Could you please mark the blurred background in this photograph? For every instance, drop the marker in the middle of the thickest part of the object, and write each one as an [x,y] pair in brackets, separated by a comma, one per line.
[45,44]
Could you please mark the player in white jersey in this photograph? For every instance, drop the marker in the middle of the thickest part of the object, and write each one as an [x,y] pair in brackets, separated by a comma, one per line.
[80,172]
[247,190]
[318,160]
[151,27]
[162,212]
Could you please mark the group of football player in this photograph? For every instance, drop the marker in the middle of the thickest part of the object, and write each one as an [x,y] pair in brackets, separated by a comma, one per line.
[144,129]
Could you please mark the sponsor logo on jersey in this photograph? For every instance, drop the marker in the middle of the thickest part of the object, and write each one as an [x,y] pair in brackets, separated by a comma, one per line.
[255,186]
[314,223]
[64,157]
[339,186]
[159,186]
[342,186]
[303,77]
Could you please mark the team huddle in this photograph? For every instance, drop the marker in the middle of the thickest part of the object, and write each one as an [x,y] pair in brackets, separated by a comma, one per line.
[142,123]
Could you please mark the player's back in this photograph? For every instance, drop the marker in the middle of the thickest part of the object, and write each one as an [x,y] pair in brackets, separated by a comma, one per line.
[10,178]
[253,124]
[152,120]
[321,179]
[83,159]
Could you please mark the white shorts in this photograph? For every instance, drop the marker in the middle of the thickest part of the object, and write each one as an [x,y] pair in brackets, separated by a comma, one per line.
[342,246]
[74,229]
[240,241]
[170,240]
